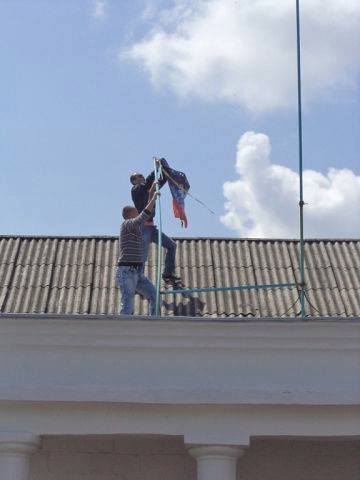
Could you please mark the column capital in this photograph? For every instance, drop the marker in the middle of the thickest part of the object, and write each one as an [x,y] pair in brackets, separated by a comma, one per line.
[18,443]
[216,462]
[227,451]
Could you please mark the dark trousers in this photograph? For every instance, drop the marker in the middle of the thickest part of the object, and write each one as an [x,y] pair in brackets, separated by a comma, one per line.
[151,235]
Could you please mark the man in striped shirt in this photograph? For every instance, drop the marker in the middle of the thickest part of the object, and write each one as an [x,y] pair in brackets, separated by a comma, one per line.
[130,272]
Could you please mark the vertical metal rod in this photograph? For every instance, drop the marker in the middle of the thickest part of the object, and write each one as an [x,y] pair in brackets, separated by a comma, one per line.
[159,252]
[301,202]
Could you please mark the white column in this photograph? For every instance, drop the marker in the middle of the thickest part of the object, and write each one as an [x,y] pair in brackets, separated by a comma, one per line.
[15,451]
[216,462]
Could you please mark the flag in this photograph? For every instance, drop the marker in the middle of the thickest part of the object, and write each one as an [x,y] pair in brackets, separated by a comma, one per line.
[179,186]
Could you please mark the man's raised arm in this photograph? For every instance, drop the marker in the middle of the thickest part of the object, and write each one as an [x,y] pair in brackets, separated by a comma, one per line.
[145,214]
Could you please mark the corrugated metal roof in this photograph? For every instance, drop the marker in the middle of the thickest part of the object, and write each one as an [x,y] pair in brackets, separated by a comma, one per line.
[77,275]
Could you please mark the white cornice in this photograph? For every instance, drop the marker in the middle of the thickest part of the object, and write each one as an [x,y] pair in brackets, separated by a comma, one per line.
[182,361]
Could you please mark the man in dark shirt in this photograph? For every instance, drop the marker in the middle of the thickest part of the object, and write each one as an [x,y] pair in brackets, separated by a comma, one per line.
[142,188]
[130,272]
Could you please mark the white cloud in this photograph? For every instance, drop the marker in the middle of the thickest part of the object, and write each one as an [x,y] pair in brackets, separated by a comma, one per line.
[243,51]
[99,8]
[263,202]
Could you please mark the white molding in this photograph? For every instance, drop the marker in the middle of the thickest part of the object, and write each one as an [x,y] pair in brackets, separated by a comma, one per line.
[167,396]
[203,451]
[198,424]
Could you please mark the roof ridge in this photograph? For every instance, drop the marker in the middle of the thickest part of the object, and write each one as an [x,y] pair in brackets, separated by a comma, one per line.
[242,239]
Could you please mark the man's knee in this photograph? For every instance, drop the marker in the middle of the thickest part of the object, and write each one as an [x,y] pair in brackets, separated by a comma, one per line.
[149,293]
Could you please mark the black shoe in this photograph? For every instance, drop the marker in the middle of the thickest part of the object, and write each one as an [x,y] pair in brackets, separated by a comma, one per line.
[171,278]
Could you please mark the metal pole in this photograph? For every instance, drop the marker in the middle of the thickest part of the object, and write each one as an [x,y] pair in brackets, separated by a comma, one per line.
[227,289]
[301,202]
[159,252]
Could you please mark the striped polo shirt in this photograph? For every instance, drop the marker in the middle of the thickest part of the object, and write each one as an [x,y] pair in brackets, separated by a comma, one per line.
[130,251]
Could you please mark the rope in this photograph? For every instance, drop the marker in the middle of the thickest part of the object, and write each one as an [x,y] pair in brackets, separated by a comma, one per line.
[318,311]
[291,306]
[187,192]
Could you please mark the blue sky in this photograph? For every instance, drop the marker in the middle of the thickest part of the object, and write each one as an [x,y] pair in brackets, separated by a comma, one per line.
[81,109]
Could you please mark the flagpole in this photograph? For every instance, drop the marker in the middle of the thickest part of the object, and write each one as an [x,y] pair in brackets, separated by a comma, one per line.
[157,170]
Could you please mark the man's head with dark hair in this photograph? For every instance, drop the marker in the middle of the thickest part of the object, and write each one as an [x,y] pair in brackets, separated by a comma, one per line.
[137,178]
[129,212]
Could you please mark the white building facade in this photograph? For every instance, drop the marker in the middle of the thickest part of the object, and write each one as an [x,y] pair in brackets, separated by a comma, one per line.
[106,397]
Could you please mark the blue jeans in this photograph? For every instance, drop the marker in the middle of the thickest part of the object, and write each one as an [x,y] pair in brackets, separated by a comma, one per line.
[132,280]
[151,234]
